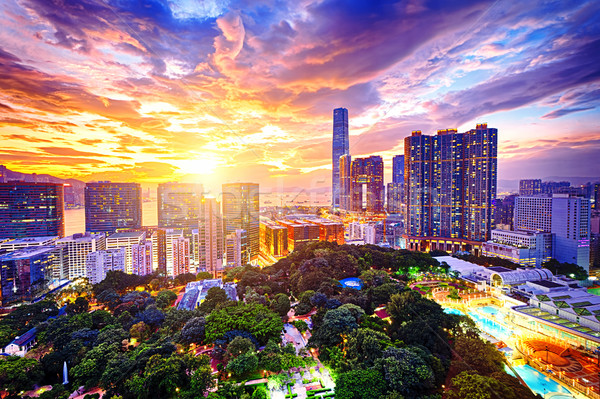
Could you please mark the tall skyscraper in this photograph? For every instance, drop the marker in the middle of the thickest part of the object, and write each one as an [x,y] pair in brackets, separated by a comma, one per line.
[31,210]
[179,205]
[341,146]
[398,169]
[450,183]
[571,218]
[112,206]
[346,182]
[210,237]
[241,211]
[367,172]
[395,195]
[528,187]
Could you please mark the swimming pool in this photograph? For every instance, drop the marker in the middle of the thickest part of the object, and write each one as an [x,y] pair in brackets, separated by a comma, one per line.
[491,327]
[454,311]
[538,382]
[491,310]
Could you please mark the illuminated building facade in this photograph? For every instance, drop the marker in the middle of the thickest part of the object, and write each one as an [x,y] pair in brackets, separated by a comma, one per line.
[273,238]
[523,247]
[31,210]
[395,195]
[181,256]
[179,205]
[367,172]
[533,213]
[112,206]
[398,169]
[299,233]
[571,217]
[126,240]
[236,253]
[450,184]
[241,211]
[341,146]
[529,187]
[26,273]
[345,186]
[209,248]
[98,263]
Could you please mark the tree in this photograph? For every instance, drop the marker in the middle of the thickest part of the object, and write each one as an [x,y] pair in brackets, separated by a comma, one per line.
[568,269]
[165,298]
[300,325]
[243,364]
[201,380]
[360,384]
[193,332]
[203,276]
[254,318]
[364,346]
[19,374]
[238,346]
[336,322]
[281,304]
[405,372]
[260,393]
[140,331]
[80,305]
[214,297]
[473,353]
[470,385]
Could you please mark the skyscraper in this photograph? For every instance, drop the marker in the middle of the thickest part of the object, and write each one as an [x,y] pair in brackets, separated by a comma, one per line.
[571,218]
[529,187]
[179,205]
[395,194]
[112,206]
[181,256]
[345,182]
[236,244]
[210,237]
[31,210]
[367,172]
[241,211]
[398,169]
[340,147]
[450,183]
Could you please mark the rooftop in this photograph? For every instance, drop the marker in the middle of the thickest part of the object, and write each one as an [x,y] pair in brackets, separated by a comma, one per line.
[29,240]
[127,234]
[548,284]
[27,252]
[88,237]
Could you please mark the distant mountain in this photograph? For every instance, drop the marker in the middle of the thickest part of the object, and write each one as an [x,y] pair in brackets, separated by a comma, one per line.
[73,192]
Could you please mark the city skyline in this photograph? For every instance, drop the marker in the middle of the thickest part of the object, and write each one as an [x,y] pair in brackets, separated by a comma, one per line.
[231,91]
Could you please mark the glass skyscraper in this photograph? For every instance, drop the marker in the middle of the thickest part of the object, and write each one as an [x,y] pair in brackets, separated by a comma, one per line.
[179,205]
[398,169]
[451,183]
[241,211]
[31,210]
[368,172]
[340,147]
[112,206]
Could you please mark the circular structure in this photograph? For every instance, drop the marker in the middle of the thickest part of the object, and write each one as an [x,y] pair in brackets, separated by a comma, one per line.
[520,276]
[352,282]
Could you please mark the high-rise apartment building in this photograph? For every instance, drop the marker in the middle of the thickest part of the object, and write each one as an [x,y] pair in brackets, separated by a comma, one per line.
[345,186]
[450,183]
[235,247]
[529,187]
[179,205]
[141,258]
[126,240]
[181,256]
[171,235]
[79,246]
[112,206]
[98,263]
[398,169]
[504,212]
[395,197]
[31,210]
[158,237]
[341,146]
[241,211]
[209,248]
[367,173]
[551,187]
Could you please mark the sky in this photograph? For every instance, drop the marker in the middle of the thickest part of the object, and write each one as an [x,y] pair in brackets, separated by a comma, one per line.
[216,90]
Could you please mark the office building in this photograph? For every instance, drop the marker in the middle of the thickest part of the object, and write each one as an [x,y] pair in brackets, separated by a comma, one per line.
[571,218]
[235,248]
[533,213]
[126,240]
[110,207]
[345,186]
[395,195]
[367,185]
[181,255]
[504,212]
[210,245]
[596,196]
[141,258]
[530,187]
[273,238]
[241,211]
[341,146]
[179,205]
[98,263]
[526,248]
[328,230]
[78,247]
[300,233]
[551,187]
[27,273]
[31,210]
[450,185]
[18,243]
[398,169]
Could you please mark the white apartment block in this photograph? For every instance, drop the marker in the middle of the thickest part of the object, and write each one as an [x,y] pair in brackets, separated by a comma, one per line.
[126,240]
[78,248]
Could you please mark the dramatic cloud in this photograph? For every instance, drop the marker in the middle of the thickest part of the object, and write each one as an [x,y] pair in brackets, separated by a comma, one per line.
[228,90]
